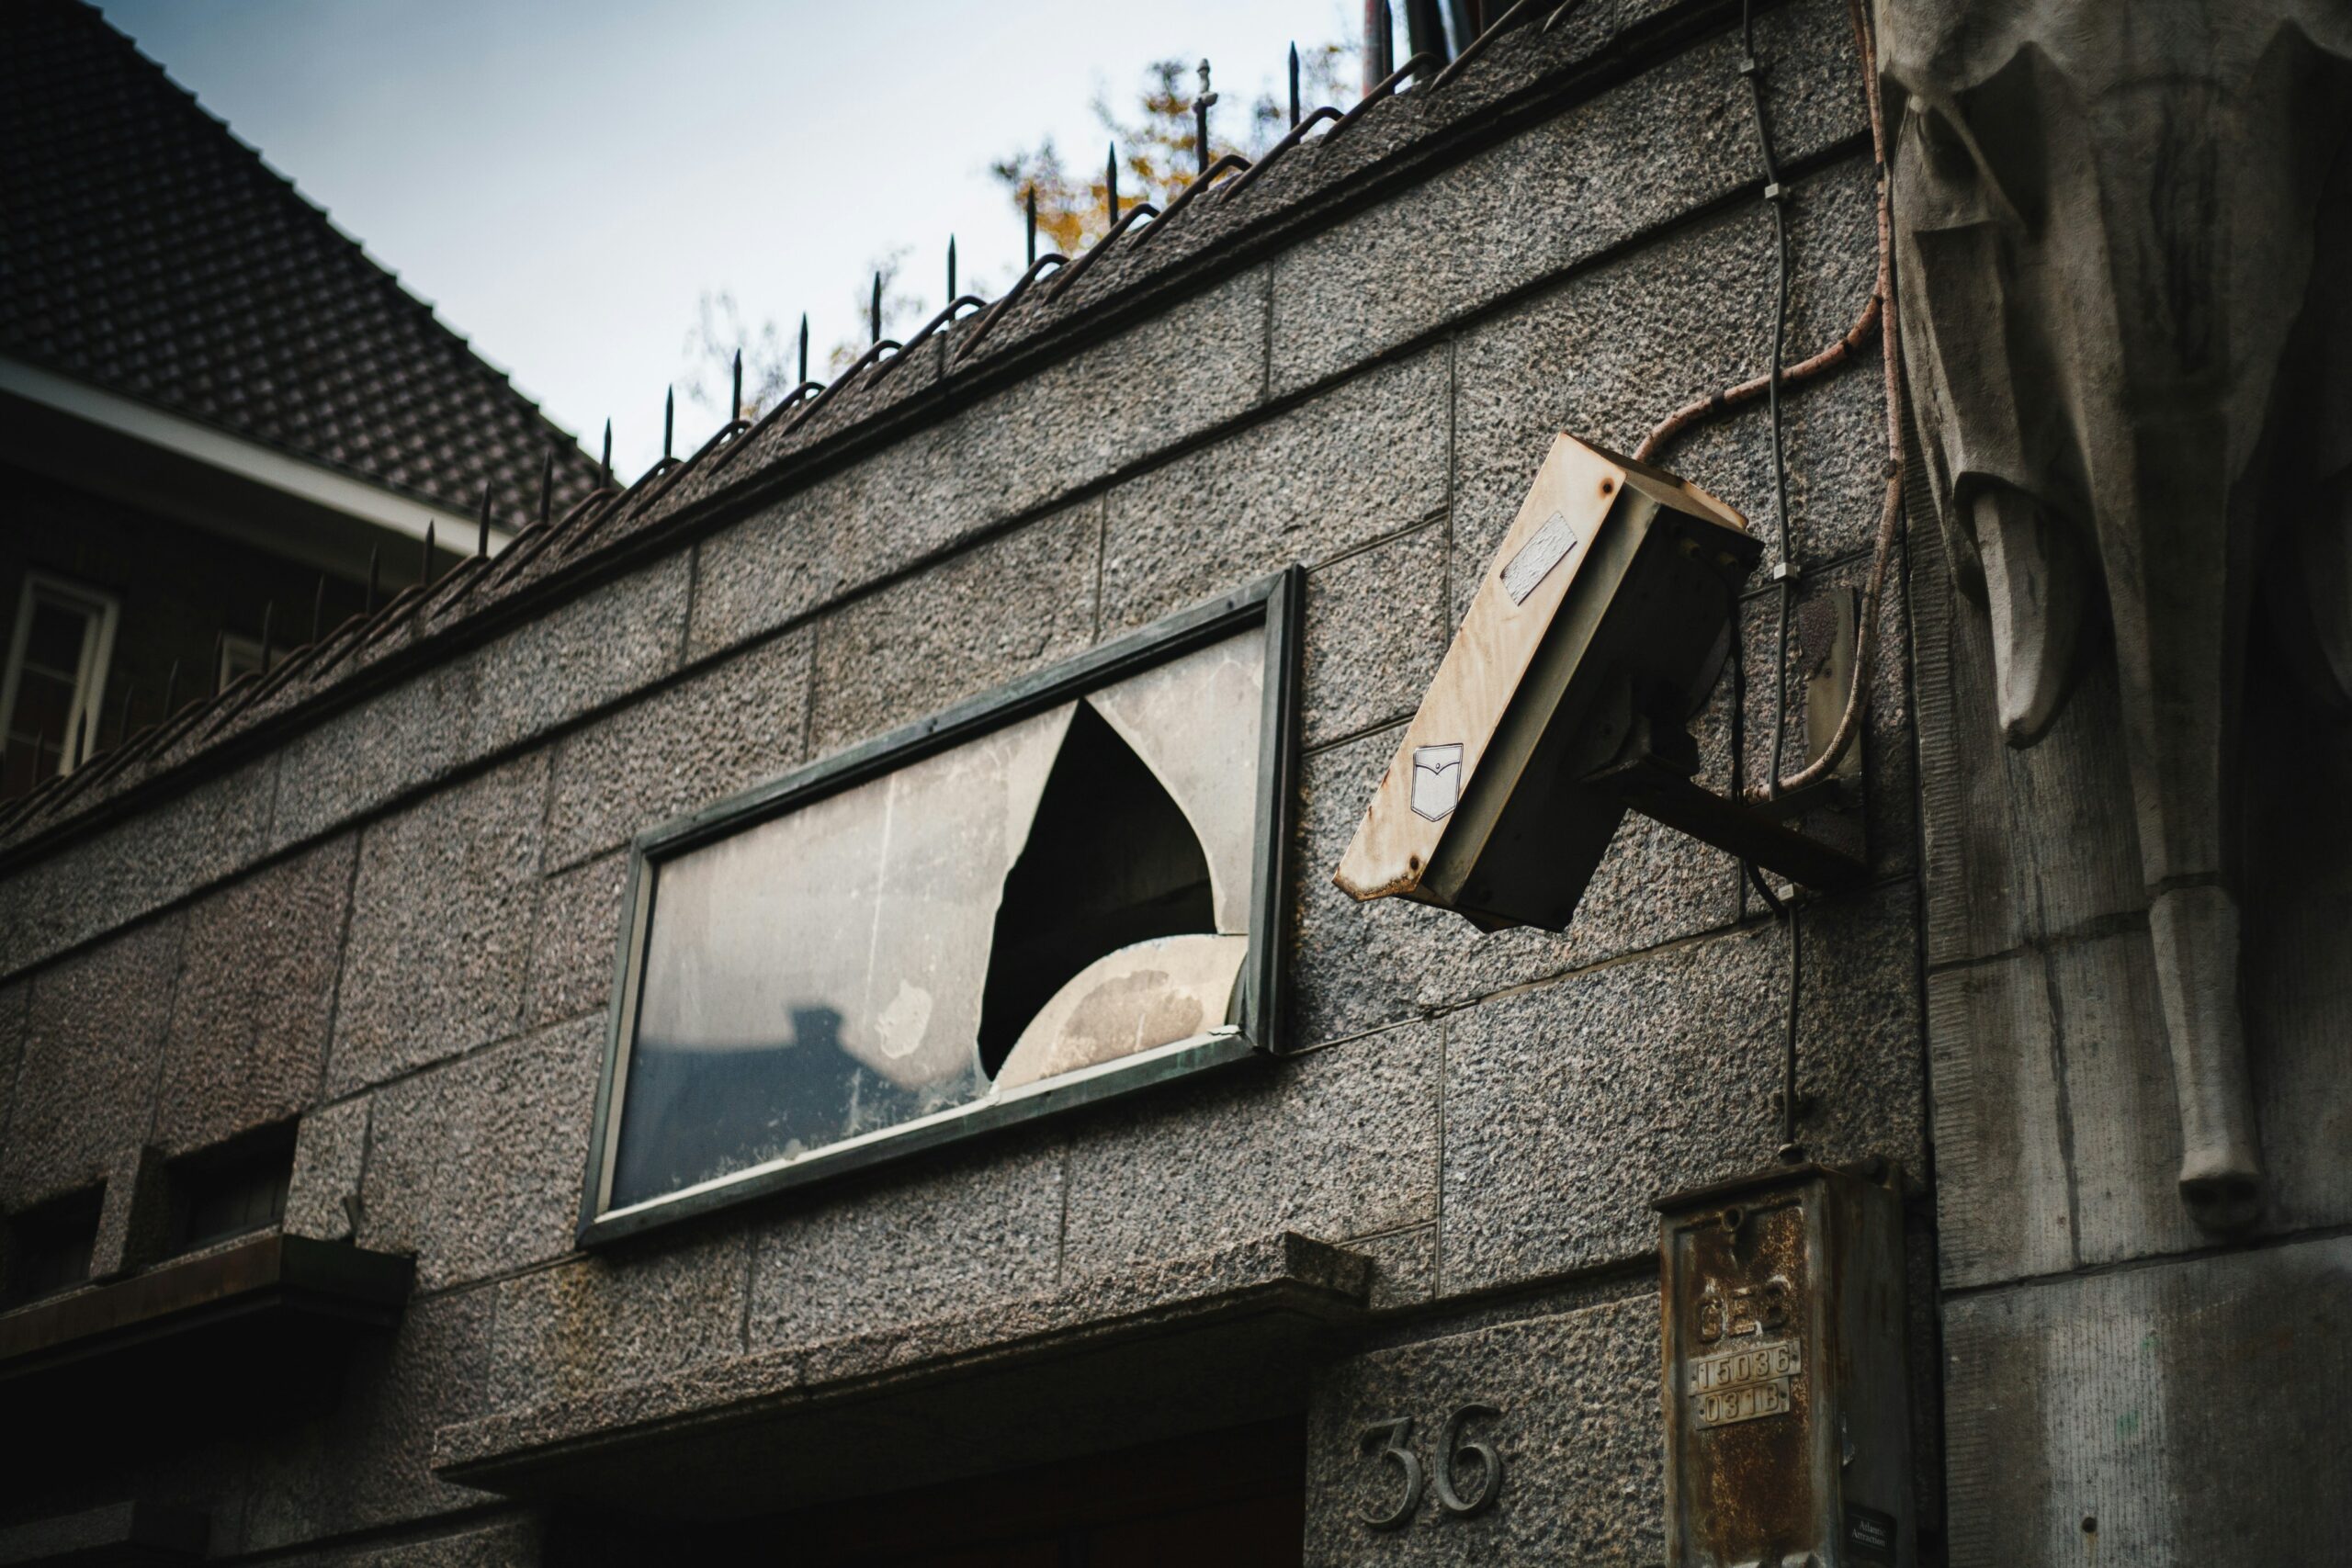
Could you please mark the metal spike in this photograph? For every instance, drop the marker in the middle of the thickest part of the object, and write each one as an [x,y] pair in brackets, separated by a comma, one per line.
[122,730]
[171,687]
[735,409]
[481,534]
[1033,230]
[804,350]
[608,454]
[90,734]
[547,483]
[1294,86]
[951,269]
[319,608]
[269,622]
[220,661]
[1110,181]
[375,560]
[428,553]
[669,420]
[876,311]
[1201,122]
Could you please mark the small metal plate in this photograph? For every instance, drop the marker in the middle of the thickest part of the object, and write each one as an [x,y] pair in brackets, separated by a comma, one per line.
[1536,559]
[1744,1384]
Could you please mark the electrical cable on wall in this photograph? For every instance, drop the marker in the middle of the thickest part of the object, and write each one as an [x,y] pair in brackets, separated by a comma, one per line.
[1878,315]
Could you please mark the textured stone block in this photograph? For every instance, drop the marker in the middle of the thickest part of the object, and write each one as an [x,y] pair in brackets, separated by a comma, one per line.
[617,1318]
[322,1196]
[2016,845]
[1338,1143]
[935,1237]
[440,926]
[601,646]
[1559,194]
[1012,605]
[1071,424]
[1570,1107]
[1611,352]
[476,1166]
[2057,1135]
[1359,462]
[738,724]
[368,1462]
[255,994]
[1579,1439]
[16,1002]
[212,831]
[1360,966]
[578,926]
[2147,1416]
[509,1543]
[1404,1266]
[580,656]
[395,741]
[1377,628]
[85,1086]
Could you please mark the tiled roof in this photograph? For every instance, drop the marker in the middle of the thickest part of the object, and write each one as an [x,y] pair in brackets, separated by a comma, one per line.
[144,250]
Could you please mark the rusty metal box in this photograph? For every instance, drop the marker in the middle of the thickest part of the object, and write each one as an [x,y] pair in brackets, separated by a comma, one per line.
[1787,1421]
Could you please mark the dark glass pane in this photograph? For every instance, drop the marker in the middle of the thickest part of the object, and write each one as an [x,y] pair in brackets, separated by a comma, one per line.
[54,640]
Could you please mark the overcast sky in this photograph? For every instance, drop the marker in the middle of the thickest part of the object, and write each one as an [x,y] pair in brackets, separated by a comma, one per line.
[564,181]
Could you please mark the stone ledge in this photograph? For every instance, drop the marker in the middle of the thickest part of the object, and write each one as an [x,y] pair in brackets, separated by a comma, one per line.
[1120,1356]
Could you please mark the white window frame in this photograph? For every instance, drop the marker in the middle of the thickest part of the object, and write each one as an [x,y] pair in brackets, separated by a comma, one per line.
[100,610]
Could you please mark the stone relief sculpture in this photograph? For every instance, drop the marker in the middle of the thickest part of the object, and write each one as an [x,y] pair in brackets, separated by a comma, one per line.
[2124,235]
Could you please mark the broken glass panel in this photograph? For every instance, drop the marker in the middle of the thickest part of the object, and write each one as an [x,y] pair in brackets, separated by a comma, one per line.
[1059,894]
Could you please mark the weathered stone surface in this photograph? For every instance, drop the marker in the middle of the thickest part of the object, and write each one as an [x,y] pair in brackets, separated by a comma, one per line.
[1360,966]
[509,1543]
[322,1197]
[1338,1143]
[2017,844]
[255,994]
[368,1462]
[1579,1439]
[440,926]
[476,1166]
[944,1237]
[415,732]
[1361,461]
[2056,1135]
[119,875]
[579,935]
[601,646]
[86,1086]
[1570,1107]
[1610,353]
[1014,604]
[611,1319]
[1376,629]
[16,1002]
[2147,1416]
[738,724]
[1404,1266]
[1560,193]
[1072,425]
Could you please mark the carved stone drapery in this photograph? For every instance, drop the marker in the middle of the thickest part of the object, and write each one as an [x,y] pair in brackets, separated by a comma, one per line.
[2124,235]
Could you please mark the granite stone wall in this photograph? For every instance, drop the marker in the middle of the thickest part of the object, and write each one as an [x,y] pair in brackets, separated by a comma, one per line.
[398,926]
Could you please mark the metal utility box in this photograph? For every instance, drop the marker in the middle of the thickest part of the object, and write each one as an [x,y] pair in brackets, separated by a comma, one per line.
[1787,1421]
[1598,629]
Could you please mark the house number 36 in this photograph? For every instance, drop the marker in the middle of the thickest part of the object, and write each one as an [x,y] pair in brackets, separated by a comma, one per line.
[1390,1442]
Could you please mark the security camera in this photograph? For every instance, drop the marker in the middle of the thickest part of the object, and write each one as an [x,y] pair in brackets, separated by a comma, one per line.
[1597,631]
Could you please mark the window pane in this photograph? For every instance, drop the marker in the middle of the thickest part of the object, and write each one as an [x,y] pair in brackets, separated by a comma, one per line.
[1066,890]
[53,641]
